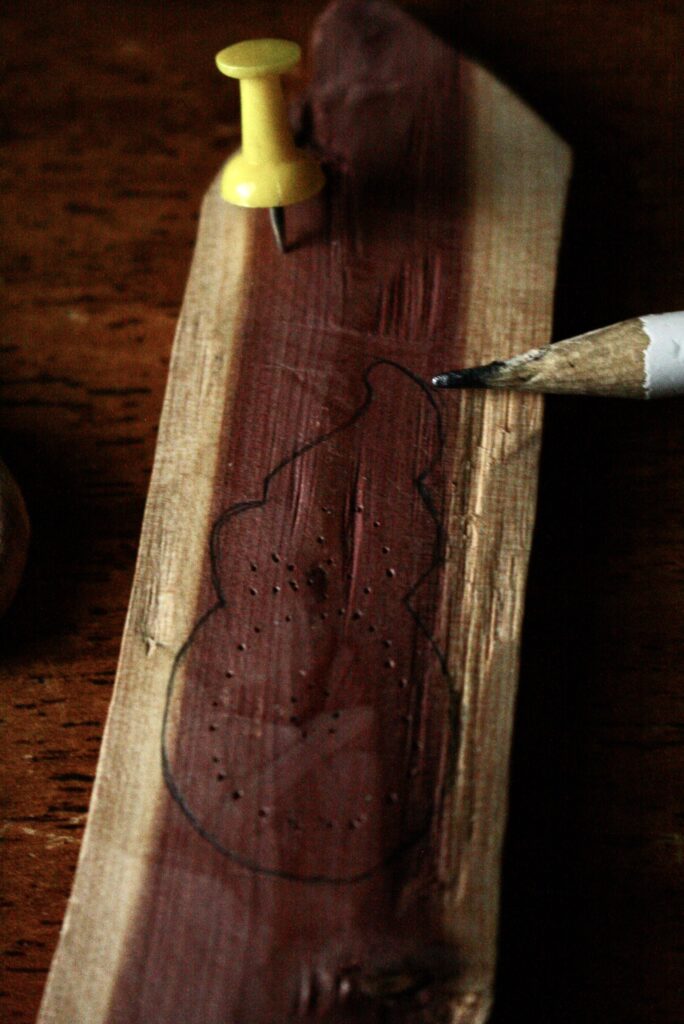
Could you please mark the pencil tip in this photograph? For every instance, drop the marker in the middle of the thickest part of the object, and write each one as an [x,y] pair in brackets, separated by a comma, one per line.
[451,379]
[473,377]
[277,215]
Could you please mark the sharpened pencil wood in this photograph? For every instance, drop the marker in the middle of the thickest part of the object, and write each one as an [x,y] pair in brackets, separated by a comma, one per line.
[638,358]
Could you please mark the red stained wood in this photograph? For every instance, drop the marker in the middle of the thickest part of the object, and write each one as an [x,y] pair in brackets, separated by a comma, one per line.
[287,786]
[312,726]
[314,691]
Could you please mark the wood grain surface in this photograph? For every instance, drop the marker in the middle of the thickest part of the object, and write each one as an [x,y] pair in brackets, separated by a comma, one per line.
[326,613]
[113,125]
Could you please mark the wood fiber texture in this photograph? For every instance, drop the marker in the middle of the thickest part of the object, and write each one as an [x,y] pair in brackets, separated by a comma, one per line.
[301,795]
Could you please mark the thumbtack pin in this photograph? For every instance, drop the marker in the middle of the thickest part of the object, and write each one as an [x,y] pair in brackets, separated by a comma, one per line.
[269,171]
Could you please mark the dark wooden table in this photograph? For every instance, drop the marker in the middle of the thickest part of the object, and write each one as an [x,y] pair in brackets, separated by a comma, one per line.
[114,123]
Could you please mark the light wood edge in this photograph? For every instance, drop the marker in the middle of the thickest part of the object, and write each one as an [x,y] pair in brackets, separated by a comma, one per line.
[119,836]
[517,180]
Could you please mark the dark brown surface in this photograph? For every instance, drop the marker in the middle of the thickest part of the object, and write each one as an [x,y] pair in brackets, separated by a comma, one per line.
[114,123]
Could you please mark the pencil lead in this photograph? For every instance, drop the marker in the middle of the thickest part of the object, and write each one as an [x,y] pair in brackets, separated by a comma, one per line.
[277,215]
[450,379]
[474,377]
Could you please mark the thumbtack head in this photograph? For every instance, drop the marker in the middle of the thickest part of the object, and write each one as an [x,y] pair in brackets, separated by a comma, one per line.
[254,58]
[269,171]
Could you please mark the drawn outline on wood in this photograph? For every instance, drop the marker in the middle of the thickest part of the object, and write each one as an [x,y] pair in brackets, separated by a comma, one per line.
[222,604]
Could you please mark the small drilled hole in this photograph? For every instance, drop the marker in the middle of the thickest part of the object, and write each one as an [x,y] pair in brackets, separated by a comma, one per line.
[290,567]
[366,590]
[229,674]
[386,643]
[385,550]
[275,557]
[320,540]
[257,629]
[242,647]
[391,572]
[253,591]
[357,614]
[393,798]
[253,566]
[238,794]
[294,584]
[276,589]
[376,523]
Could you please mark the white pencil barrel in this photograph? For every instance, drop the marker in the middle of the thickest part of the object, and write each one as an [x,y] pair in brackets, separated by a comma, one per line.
[664,355]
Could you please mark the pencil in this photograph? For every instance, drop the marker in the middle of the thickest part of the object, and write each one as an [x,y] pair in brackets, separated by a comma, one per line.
[639,358]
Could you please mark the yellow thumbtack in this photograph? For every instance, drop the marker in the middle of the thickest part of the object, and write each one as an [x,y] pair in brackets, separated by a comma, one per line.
[269,171]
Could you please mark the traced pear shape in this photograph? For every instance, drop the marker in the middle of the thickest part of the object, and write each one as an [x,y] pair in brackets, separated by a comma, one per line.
[309,730]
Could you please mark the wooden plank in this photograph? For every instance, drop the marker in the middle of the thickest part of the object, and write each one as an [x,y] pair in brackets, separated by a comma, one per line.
[326,810]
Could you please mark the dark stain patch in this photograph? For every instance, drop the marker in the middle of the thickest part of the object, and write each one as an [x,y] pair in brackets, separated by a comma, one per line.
[317,579]
[72,777]
[86,210]
[118,392]
[119,442]
[41,378]
[151,193]
[130,321]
